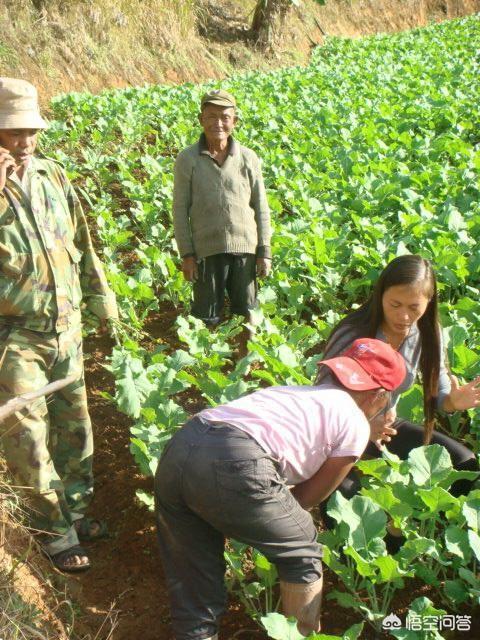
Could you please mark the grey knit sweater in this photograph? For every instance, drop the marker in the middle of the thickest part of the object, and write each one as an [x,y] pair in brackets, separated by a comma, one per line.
[220,209]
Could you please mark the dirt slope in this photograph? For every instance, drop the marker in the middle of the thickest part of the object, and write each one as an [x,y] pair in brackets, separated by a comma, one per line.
[93,44]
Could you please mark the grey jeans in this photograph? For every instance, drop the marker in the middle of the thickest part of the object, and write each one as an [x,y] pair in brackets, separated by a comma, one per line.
[212,482]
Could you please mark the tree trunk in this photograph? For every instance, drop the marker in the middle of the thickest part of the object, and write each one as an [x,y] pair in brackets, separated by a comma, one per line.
[268,18]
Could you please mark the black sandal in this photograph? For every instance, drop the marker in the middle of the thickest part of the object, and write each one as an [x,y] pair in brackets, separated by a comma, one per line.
[60,559]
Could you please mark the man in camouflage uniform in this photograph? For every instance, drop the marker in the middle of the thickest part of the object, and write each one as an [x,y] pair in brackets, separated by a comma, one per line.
[48,270]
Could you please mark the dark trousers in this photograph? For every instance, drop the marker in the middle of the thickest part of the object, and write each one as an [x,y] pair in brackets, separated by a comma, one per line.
[212,482]
[224,273]
[410,436]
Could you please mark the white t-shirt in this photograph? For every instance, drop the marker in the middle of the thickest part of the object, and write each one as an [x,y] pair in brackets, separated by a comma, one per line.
[300,426]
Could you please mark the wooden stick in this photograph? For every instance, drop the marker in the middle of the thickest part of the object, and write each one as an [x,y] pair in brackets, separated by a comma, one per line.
[20,402]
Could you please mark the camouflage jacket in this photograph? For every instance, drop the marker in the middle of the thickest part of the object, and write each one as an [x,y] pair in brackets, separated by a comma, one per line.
[47,261]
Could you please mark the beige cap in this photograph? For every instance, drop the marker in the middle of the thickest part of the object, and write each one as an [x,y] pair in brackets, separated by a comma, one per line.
[220,97]
[19,105]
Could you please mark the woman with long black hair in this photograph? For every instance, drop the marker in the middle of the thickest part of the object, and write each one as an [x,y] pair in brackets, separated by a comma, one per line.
[403,311]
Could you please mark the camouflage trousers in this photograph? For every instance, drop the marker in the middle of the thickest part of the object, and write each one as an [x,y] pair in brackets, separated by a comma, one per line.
[49,445]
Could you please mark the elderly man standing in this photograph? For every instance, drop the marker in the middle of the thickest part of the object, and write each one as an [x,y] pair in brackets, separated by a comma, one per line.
[47,267]
[221,215]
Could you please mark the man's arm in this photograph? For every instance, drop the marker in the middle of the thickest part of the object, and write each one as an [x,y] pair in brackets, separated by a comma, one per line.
[98,296]
[182,200]
[317,488]
[259,203]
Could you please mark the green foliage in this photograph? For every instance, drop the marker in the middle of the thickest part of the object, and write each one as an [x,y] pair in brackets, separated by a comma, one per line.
[440,546]
[8,55]
[369,152]
[256,595]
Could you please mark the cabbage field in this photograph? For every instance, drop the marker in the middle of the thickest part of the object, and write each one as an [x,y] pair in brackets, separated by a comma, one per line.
[369,152]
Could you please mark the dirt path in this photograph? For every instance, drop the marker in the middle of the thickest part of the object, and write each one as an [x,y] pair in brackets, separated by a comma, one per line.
[126,568]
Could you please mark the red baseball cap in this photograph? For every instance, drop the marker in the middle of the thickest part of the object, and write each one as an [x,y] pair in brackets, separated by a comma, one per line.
[368,364]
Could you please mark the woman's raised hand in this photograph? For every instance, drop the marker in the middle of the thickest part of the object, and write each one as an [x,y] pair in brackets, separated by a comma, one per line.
[463,397]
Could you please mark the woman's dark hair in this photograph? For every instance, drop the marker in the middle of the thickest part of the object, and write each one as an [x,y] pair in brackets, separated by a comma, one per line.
[365,321]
